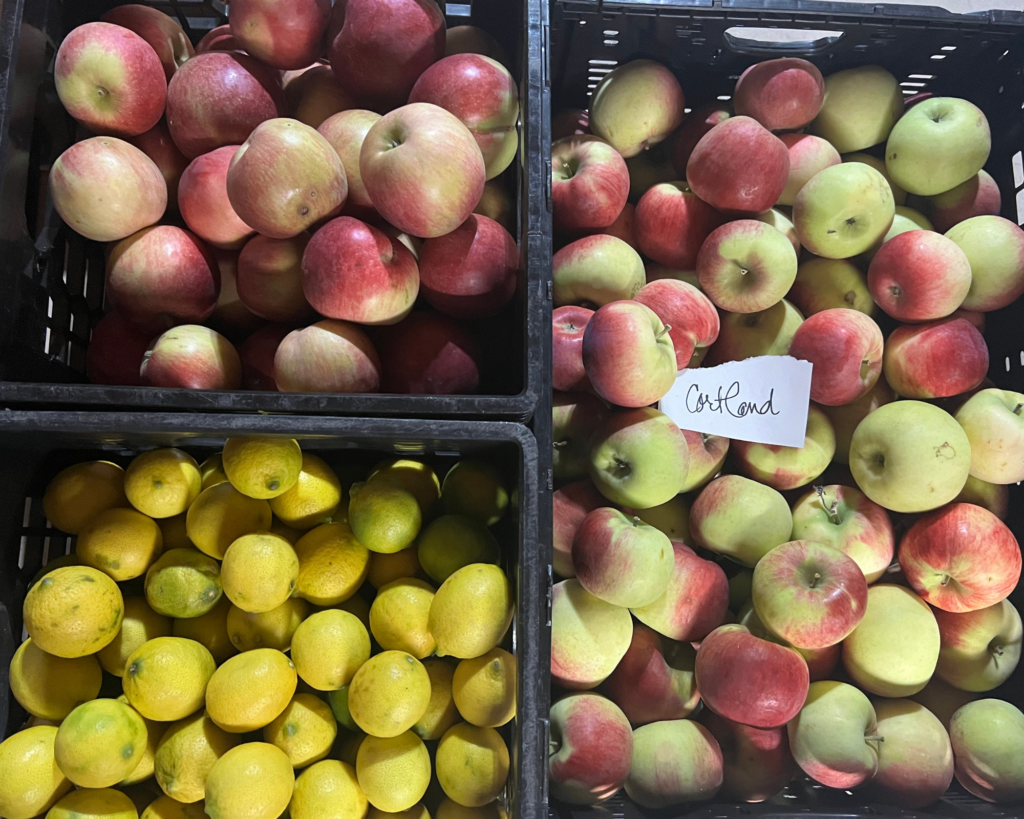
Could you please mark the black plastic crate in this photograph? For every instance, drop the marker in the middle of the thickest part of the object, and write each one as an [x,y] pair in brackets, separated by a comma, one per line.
[979,57]
[51,279]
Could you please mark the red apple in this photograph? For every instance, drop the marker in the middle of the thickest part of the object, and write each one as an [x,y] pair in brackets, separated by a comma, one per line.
[156,143]
[672,224]
[116,350]
[807,155]
[707,454]
[693,319]
[346,132]
[589,184]
[695,125]
[314,95]
[569,122]
[231,317]
[591,749]
[218,39]
[757,761]
[978,196]
[284,35]
[919,276]
[572,503]
[162,32]
[257,354]
[624,227]
[845,347]
[429,354]
[568,326]
[203,200]
[935,360]
[783,95]
[270,278]
[473,40]
[329,356]
[193,358]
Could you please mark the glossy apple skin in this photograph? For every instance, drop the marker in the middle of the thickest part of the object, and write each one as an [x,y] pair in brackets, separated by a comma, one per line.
[257,353]
[589,184]
[284,35]
[786,467]
[568,325]
[807,156]
[429,354]
[270,278]
[919,276]
[329,356]
[845,346]
[693,319]
[695,125]
[203,200]
[160,30]
[743,335]
[707,455]
[346,131]
[757,761]
[992,420]
[588,636]
[995,248]
[636,106]
[988,738]
[935,360]
[156,143]
[218,39]
[980,649]
[569,122]
[115,352]
[596,270]
[672,223]
[194,358]
[740,518]
[591,749]
[313,96]
[783,95]
[572,503]
[978,196]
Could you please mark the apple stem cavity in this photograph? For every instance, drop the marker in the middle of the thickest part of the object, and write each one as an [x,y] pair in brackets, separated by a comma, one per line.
[831,509]
[1017,409]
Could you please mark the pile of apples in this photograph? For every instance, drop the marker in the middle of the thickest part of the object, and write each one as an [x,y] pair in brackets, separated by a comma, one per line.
[734,614]
[301,175]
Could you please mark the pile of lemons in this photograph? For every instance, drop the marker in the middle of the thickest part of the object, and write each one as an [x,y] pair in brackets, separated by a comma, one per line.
[210,648]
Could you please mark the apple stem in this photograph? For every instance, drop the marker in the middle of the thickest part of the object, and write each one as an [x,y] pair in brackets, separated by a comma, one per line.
[893,568]
[636,520]
[1017,409]
[832,509]
[560,444]
[815,579]
[945,579]
[663,332]
[997,651]
[875,738]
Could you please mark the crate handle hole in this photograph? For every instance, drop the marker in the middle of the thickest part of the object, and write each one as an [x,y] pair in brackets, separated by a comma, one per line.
[751,40]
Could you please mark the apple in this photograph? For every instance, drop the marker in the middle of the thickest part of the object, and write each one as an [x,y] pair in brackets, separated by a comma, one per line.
[576,418]
[821,662]
[847,417]
[757,763]
[624,226]
[894,649]
[995,249]
[980,649]
[156,143]
[270,278]
[674,762]
[655,271]
[597,270]
[919,276]
[649,168]
[429,354]
[740,518]
[590,749]
[106,189]
[218,39]
[672,518]
[781,221]
[203,200]
[116,350]
[898,194]
[740,588]
[995,427]
[346,132]
[691,317]
[193,358]
[589,184]
[978,196]
[257,353]
[746,266]
[745,335]
[329,356]
[825,284]
[286,36]
[992,496]
[937,144]
[473,40]
[906,219]
[861,106]
[569,122]
[231,317]
[568,325]
[988,740]
[218,98]
[314,96]
[162,32]
[845,346]
[694,126]
[808,155]
[738,167]
[637,105]
[654,679]
[495,204]
[588,636]
[942,699]
[935,360]
[787,467]
[783,95]
[571,504]
[707,455]
[672,224]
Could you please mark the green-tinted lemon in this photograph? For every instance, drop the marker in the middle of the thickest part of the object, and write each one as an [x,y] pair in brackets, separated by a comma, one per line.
[250,690]
[314,499]
[357,606]
[90,803]
[100,743]
[289,533]
[475,489]
[221,515]
[73,611]
[268,629]
[393,771]
[472,764]
[485,688]
[139,625]
[52,687]
[262,467]
[165,679]
[471,611]
[186,754]
[385,568]
[80,492]
[122,543]
[251,781]
[175,532]
[212,471]
[210,629]
[329,647]
[165,807]
[305,730]
[32,782]
[328,790]
[388,694]
[441,713]
[332,564]
[453,810]
[398,617]
[338,700]
[56,563]
[154,733]
[259,572]
[454,541]
[183,583]
[413,476]
[384,517]
[162,483]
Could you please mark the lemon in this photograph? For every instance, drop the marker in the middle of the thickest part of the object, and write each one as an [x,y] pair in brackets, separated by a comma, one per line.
[384,517]
[313,499]
[250,690]
[286,531]
[413,476]
[186,754]
[453,810]
[329,647]
[94,803]
[338,700]
[454,541]
[154,733]
[32,782]
[305,730]
[387,567]
[165,679]
[52,687]
[221,515]
[441,713]
[162,483]
[485,688]
[100,743]
[121,542]
[32,722]
[388,694]
[73,611]
[398,617]
[167,808]
[358,606]
[80,492]
[262,467]
[175,532]
[471,611]
[475,489]
[183,583]
[393,771]
[417,811]
[212,471]
[259,572]
[472,764]
[251,781]
[268,629]
[332,564]
[328,790]
[210,629]
[139,625]
[56,563]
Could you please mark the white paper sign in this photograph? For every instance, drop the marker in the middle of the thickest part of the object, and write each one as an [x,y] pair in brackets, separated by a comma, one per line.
[761,399]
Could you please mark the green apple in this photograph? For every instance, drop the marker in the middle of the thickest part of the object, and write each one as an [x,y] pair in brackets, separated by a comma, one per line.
[942,699]
[596,270]
[588,636]
[788,467]
[846,418]
[995,249]
[992,496]
[575,417]
[779,218]
[740,518]
[861,106]
[636,105]
[994,423]
[980,649]
[671,518]
[674,761]
[823,284]
[988,746]
[899,195]
[745,335]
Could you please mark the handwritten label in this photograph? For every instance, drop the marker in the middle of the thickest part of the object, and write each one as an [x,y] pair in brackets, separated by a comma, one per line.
[761,399]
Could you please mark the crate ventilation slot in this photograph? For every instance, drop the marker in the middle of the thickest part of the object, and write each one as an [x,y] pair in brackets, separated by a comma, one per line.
[755,40]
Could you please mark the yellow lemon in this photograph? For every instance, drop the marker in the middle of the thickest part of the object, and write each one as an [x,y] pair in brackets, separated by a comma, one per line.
[413,476]
[183,583]
[471,611]
[56,563]
[393,771]
[286,531]
[186,754]
[32,782]
[338,700]
[454,541]
[210,629]
[268,629]
[250,690]
[52,687]
[140,624]
[384,517]
[175,532]
[212,471]
[73,611]
[154,733]
[387,567]
[358,606]
[398,617]
[251,781]
[165,807]
[328,789]
[475,489]
[100,743]
[329,647]
[313,499]
[417,811]
[305,730]
[259,572]
[121,542]
[165,679]
[441,713]
[332,564]
[262,467]
[388,694]
[80,492]
[162,483]
[94,803]
[221,515]
[485,688]
[453,810]
[472,764]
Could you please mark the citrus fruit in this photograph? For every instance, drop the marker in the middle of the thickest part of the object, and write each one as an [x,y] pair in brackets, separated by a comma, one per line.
[162,483]
[175,532]
[358,606]
[305,730]
[475,489]
[388,694]
[338,700]
[142,794]
[259,571]
[73,611]
[413,476]
[485,688]
[262,467]
[165,807]
[471,611]
[332,564]
[122,543]
[221,515]
[186,753]
[56,563]
[387,567]
[472,764]
[251,781]
[90,803]
[140,624]
[328,789]
[417,811]
[212,471]
[384,517]
[80,492]
[393,771]
[250,690]
[287,532]
[454,541]
[329,647]
[441,713]
[398,617]
[100,743]
[210,629]
[154,733]
[313,499]
[453,810]
[183,583]
[165,679]
[32,782]
[268,629]
[52,687]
